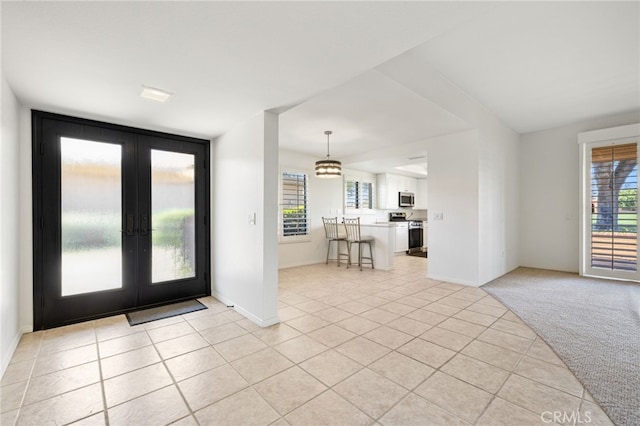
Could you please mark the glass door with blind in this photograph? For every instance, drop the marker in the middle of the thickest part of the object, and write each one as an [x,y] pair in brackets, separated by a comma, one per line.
[119,219]
[612,224]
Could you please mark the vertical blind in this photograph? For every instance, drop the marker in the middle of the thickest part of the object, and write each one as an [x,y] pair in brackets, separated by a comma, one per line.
[614,207]
[295,220]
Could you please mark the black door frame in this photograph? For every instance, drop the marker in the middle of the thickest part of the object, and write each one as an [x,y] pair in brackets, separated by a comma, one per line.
[133,135]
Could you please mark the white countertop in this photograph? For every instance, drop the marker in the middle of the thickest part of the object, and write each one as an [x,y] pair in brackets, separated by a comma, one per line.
[397,222]
[380,224]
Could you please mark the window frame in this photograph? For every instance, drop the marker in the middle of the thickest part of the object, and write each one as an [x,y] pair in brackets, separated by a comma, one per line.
[587,141]
[282,238]
[358,181]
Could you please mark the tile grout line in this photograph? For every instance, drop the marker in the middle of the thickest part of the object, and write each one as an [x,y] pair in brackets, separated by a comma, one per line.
[353,288]
[173,380]
[436,370]
[29,378]
[227,362]
[249,385]
[392,350]
[104,395]
[457,352]
[521,355]
[495,395]
[331,388]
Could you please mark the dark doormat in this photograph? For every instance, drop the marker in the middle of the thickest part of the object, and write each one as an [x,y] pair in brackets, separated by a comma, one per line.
[161,312]
[418,254]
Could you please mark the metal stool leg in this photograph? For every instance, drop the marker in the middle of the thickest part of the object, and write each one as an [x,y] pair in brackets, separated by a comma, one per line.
[362,256]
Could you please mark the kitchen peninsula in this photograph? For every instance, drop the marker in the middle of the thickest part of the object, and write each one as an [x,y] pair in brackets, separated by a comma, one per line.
[384,235]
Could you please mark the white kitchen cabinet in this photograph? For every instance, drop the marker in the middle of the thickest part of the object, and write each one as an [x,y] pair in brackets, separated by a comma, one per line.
[389,185]
[402,237]
[421,195]
[407,184]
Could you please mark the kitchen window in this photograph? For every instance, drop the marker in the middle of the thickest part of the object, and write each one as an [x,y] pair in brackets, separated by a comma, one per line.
[294,203]
[358,194]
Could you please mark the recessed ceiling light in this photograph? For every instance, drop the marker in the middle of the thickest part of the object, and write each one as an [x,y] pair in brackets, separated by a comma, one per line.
[155,94]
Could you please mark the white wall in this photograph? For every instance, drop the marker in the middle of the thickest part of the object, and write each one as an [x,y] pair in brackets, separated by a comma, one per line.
[453,192]
[499,216]
[498,204]
[325,199]
[549,193]
[244,171]
[10,329]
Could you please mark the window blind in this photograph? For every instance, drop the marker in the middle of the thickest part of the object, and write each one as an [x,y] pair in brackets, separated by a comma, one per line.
[295,220]
[614,207]
[351,194]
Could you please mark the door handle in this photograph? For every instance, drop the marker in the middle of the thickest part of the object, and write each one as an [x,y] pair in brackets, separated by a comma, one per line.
[130,225]
[144,224]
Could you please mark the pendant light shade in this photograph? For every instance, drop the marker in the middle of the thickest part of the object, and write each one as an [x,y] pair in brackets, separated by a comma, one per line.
[328,168]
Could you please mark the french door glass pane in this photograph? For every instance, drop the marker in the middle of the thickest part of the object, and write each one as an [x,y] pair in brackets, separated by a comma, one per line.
[91,216]
[172,216]
[614,207]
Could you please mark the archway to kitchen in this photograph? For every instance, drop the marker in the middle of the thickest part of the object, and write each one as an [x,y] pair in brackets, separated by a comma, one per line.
[452,203]
[393,111]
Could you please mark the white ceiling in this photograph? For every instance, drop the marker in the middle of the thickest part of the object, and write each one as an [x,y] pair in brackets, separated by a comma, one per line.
[368,113]
[225,61]
[535,65]
[544,64]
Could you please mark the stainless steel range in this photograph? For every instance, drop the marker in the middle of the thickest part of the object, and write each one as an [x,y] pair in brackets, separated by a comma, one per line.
[415,236]
[397,217]
[415,230]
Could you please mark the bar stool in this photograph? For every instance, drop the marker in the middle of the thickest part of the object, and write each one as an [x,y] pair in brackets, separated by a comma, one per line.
[332,234]
[352,226]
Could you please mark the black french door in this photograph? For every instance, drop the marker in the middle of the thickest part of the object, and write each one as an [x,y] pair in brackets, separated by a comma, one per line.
[120,219]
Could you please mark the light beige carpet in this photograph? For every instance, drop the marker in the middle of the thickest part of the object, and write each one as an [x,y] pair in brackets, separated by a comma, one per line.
[593,325]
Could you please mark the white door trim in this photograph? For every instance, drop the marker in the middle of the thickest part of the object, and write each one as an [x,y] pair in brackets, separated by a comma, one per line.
[588,140]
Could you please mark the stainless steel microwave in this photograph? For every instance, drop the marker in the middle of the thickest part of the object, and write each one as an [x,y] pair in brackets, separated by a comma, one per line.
[406,199]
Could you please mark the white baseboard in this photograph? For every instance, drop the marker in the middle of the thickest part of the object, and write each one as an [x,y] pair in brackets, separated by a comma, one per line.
[255,319]
[453,280]
[259,321]
[6,357]
[221,298]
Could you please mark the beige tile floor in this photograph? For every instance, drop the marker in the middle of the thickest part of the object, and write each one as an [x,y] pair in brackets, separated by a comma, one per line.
[370,347]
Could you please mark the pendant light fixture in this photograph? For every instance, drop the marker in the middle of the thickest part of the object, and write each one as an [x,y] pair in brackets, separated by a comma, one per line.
[328,168]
